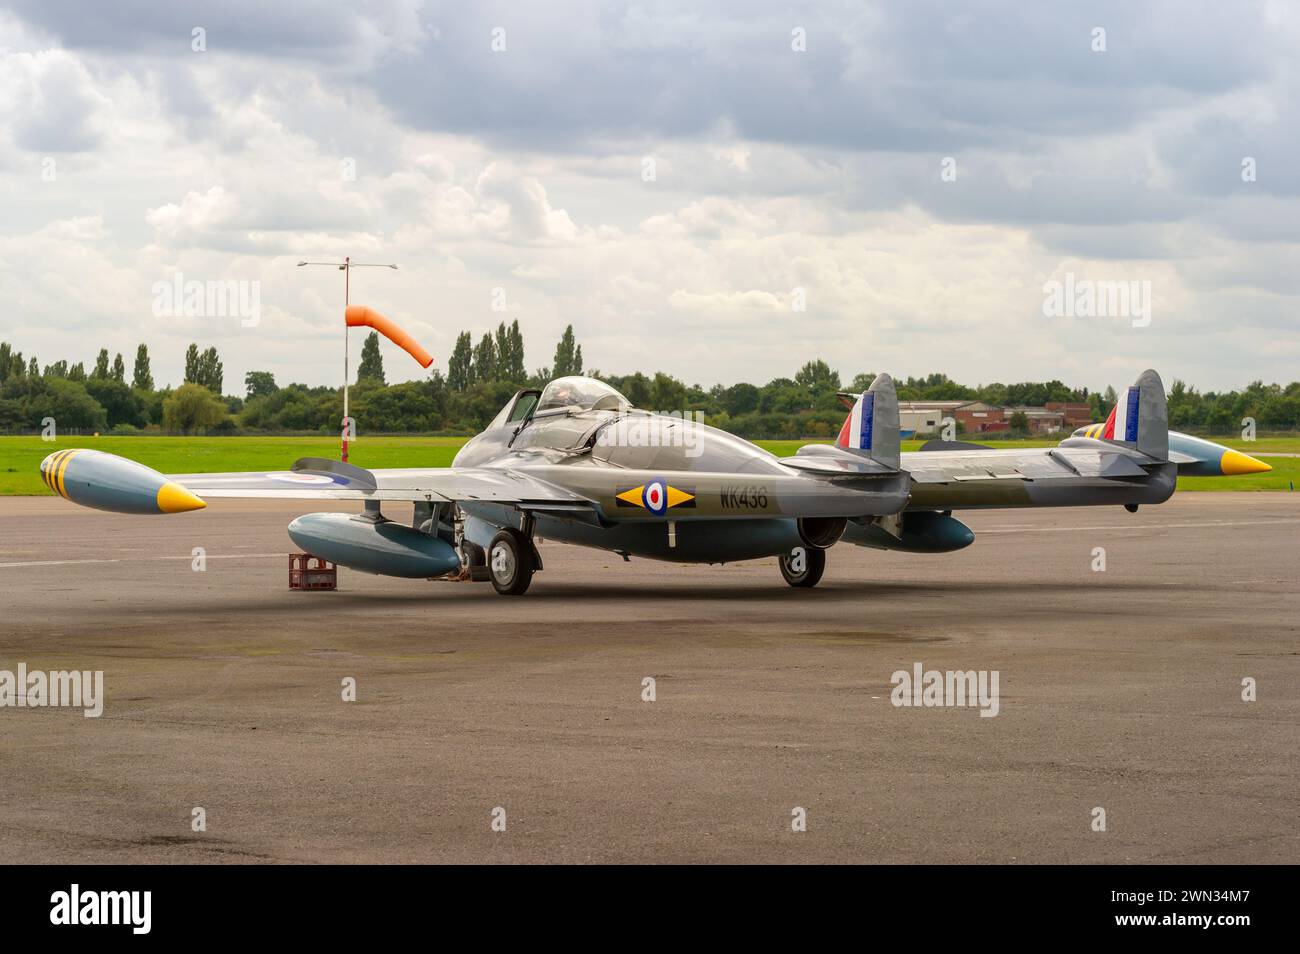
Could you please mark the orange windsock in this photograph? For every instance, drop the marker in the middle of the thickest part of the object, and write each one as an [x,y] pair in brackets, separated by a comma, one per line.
[359,315]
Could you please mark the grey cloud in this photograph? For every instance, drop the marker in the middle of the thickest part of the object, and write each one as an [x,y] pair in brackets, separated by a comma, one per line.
[62,111]
[764,155]
[1206,157]
[285,28]
[920,75]
[913,76]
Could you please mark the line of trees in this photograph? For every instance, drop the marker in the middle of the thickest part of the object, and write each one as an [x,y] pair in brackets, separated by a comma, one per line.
[481,377]
[103,399]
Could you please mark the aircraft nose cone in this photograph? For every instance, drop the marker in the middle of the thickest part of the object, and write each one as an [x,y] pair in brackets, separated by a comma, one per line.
[1233,463]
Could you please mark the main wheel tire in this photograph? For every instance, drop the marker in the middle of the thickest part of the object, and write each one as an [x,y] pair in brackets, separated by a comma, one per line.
[803,566]
[510,561]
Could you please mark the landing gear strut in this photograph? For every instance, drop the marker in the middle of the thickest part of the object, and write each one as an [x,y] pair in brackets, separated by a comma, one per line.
[803,566]
[511,562]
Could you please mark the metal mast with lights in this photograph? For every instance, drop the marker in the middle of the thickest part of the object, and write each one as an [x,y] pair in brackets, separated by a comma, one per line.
[346,267]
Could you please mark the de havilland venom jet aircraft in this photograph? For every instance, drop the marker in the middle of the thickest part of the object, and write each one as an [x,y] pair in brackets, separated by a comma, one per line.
[575,462]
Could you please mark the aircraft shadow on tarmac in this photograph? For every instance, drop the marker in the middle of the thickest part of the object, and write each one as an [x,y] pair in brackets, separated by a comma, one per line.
[829,593]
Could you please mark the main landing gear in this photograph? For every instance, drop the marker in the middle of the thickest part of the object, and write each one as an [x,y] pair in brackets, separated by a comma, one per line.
[511,562]
[803,566]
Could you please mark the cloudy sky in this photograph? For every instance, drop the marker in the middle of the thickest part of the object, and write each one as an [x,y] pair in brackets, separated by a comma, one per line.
[673,178]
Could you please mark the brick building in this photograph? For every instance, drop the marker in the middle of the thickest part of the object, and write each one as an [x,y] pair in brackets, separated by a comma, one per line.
[1076,413]
[976,417]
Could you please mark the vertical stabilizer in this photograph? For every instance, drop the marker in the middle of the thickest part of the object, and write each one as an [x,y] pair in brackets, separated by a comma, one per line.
[1140,417]
[871,428]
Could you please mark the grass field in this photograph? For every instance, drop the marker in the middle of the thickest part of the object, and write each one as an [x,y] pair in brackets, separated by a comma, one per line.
[20,457]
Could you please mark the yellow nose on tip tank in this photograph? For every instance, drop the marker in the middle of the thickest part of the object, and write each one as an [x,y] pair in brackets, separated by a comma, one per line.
[1234,463]
[107,482]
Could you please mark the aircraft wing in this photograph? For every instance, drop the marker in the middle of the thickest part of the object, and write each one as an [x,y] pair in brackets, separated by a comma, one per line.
[322,479]
[107,482]
[1055,463]
[556,489]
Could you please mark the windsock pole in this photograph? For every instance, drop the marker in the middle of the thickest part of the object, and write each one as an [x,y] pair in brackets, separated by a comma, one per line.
[346,267]
[347,287]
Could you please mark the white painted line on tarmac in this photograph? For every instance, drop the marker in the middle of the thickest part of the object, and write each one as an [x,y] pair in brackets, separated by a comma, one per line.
[210,556]
[1142,526]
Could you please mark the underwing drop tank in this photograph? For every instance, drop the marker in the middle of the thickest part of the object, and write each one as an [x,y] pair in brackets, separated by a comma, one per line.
[919,531]
[361,542]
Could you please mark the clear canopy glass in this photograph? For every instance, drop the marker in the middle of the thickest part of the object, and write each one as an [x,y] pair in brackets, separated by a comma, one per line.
[580,393]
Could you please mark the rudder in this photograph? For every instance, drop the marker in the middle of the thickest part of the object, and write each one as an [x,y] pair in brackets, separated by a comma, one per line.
[871,429]
[1140,417]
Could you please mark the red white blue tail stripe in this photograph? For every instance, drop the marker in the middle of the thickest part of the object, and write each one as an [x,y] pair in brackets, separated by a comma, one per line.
[1122,425]
[856,432]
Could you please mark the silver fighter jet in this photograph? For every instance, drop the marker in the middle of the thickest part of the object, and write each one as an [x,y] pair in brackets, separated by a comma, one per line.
[575,462]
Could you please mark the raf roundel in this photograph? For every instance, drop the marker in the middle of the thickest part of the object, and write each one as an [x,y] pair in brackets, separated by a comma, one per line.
[655,497]
[291,477]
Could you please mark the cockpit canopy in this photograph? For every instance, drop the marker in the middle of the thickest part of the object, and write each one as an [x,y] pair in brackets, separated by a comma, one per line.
[582,394]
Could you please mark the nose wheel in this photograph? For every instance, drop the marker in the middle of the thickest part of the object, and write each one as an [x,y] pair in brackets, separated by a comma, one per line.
[803,566]
[510,562]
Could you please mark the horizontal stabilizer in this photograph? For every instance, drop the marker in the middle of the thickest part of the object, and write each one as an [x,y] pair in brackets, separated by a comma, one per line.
[834,461]
[938,445]
[1089,462]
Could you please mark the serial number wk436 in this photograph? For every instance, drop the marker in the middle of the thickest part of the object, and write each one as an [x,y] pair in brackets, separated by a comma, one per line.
[744,497]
